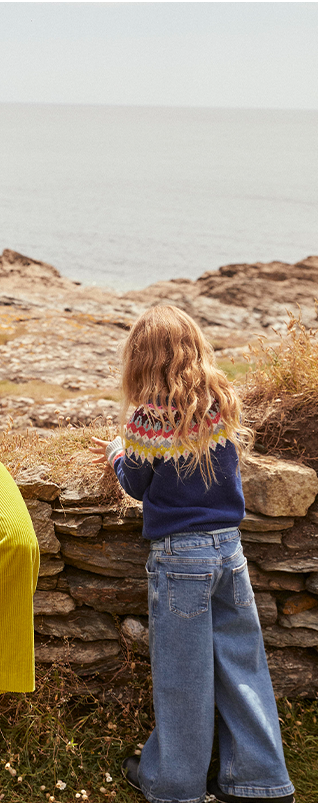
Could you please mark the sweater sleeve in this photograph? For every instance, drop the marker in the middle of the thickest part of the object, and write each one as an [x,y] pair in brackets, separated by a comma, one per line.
[133,460]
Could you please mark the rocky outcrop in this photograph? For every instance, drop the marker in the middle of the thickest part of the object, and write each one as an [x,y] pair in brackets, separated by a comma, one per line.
[63,337]
[91,599]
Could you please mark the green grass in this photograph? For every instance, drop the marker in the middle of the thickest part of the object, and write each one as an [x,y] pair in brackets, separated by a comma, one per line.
[62,732]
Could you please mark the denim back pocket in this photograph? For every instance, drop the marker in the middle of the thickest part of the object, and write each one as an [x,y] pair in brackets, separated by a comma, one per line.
[189,594]
[243,592]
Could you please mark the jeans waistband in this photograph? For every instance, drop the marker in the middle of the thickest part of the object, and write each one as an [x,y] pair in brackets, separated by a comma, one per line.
[186,540]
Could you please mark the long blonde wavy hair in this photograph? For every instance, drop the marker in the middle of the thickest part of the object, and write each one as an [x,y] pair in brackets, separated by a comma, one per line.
[168,363]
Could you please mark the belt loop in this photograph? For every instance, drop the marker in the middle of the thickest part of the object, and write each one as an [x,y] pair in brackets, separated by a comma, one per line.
[216,540]
[168,545]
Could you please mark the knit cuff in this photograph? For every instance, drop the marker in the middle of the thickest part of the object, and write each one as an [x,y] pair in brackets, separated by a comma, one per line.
[114,449]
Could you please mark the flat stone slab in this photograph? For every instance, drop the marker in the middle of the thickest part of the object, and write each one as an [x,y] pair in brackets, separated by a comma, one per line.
[75,652]
[275,581]
[109,594]
[50,602]
[258,523]
[119,556]
[278,487]
[78,525]
[277,636]
[267,537]
[303,619]
[83,623]
[50,565]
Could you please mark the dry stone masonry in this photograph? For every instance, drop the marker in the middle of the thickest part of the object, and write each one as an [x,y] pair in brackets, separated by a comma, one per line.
[92,590]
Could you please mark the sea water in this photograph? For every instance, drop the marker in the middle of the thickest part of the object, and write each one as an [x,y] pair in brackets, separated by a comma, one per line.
[126,196]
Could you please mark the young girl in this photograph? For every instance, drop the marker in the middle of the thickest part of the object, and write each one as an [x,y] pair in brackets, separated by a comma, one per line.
[180,456]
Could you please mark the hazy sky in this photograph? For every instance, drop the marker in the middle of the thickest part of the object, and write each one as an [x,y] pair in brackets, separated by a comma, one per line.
[188,54]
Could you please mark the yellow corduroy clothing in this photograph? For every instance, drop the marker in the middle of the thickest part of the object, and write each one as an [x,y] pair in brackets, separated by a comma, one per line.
[19,566]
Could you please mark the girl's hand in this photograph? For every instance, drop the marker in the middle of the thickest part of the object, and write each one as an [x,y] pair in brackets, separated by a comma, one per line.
[101,450]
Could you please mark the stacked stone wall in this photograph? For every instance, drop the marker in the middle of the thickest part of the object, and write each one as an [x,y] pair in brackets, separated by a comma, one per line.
[92,589]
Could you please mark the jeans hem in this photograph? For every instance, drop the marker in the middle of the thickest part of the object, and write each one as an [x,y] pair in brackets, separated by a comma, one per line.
[153,799]
[258,791]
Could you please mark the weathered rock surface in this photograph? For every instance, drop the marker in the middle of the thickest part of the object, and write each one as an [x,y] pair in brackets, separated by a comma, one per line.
[275,581]
[312,582]
[307,619]
[50,565]
[113,595]
[278,487]
[50,602]
[296,603]
[255,522]
[267,608]
[294,672]
[116,557]
[277,636]
[90,655]
[136,634]
[77,525]
[41,513]
[82,623]
[33,484]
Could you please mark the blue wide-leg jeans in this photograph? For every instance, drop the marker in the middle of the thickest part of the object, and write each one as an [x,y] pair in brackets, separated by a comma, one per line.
[206,647]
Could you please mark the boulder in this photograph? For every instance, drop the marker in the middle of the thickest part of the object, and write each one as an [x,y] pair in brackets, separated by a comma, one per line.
[278,487]
[296,603]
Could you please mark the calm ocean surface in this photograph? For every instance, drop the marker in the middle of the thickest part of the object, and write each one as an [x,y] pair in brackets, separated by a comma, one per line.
[125,196]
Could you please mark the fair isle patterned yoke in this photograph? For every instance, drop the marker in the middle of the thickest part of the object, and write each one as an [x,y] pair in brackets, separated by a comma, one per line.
[147,438]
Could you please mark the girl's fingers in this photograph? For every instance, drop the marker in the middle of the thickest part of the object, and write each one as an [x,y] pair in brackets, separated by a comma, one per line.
[99,459]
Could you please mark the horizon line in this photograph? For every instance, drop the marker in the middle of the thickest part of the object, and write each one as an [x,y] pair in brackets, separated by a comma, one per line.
[156,106]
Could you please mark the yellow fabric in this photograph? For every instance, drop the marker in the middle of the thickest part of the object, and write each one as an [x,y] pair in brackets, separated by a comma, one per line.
[19,566]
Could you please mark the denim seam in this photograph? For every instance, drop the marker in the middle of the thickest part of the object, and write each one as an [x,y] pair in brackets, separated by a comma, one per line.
[257,791]
[153,799]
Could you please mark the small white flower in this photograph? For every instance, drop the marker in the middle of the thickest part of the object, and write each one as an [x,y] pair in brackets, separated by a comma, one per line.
[103,790]
[137,752]
[20,779]
[140,746]
[78,795]
[108,777]
[60,785]
[42,788]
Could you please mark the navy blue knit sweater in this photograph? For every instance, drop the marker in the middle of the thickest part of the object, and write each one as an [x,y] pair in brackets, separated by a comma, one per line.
[173,501]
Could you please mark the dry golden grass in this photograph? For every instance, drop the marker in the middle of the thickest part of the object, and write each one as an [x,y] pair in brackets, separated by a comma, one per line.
[290,368]
[65,459]
[280,396]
